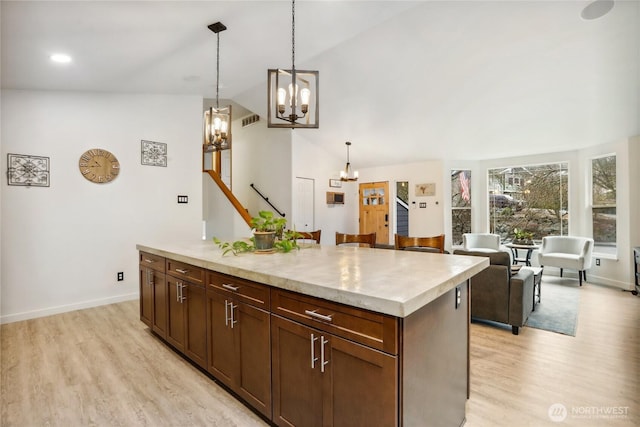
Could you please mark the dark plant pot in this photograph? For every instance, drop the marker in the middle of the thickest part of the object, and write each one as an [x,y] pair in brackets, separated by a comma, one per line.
[264,240]
[523,241]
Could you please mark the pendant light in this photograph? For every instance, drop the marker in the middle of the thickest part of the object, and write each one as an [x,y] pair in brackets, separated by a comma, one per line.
[217,121]
[348,174]
[292,94]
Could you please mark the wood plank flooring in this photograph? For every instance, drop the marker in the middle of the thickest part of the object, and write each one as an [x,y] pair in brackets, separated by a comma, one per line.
[102,367]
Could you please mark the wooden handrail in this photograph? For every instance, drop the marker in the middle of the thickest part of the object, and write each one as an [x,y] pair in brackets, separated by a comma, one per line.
[234,201]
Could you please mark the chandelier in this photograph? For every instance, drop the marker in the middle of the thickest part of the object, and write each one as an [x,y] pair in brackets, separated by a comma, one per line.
[348,174]
[293,94]
[217,121]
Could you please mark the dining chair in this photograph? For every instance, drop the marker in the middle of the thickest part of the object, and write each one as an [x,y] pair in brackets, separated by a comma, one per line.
[367,239]
[435,242]
[309,235]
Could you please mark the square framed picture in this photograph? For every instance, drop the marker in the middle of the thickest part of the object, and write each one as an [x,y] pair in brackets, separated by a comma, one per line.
[30,171]
[335,183]
[154,153]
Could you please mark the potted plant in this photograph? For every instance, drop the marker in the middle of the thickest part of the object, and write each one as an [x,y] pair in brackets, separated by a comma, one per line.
[268,235]
[266,226]
[521,237]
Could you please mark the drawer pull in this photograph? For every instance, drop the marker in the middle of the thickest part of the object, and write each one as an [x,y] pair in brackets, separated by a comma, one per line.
[150,261]
[319,316]
[230,287]
[313,351]
[181,271]
[322,361]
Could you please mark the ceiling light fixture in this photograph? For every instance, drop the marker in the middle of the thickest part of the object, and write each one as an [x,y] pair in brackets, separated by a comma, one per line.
[60,58]
[348,174]
[217,121]
[597,9]
[298,106]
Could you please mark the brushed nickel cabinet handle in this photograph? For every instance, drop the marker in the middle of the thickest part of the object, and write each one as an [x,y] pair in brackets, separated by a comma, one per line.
[233,320]
[313,356]
[181,271]
[178,292]
[230,287]
[313,313]
[151,261]
[322,361]
[226,313]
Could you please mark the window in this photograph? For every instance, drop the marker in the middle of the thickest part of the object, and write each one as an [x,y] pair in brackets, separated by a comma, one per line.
[460,204]
[603,203]
[530,198]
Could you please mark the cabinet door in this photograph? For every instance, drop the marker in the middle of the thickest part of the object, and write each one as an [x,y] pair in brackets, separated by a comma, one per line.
[196,324]
[296,376]
[160,304]
[175,313]
[253,346]
[222,362]
[146,295]
[361,386]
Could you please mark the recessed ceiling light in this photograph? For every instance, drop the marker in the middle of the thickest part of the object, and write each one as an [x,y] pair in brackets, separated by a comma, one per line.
[597,9]
[60,58]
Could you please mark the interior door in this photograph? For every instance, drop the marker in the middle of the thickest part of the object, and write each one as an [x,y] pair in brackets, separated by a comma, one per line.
[374,210]
[303,217]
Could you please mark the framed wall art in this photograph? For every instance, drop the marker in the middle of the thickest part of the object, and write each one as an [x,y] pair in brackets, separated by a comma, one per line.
[154,153]
[428,189]
[336,183]
[29,171]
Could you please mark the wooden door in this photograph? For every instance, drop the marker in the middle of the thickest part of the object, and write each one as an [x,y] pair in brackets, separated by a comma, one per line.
[195,345]
[303,215]
[146,296]
[175,313]
[361,389]
[160,304]
[297,387]
[374,210]
[223,361]
[253,352]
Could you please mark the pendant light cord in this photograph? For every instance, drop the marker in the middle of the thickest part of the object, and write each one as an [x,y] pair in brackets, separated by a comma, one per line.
[218,71]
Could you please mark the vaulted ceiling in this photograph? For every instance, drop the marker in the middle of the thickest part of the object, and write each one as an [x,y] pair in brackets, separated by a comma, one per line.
[404,81]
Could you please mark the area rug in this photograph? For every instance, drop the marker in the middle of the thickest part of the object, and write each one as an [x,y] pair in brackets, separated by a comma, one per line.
[558,309]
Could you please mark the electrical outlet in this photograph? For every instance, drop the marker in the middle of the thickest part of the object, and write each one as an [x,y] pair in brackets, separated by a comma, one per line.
[458,297]
[597,261]
[120,276]
[183,199]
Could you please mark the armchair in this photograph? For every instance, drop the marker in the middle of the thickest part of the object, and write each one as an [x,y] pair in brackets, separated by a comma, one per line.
[497,295]
[567,252]
[481,242]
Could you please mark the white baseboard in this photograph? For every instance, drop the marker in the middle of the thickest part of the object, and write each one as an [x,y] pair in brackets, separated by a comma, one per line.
[10,318]
[591,278]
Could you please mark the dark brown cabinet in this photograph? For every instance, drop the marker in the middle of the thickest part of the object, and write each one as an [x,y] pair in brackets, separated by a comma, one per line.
[239,338]
[152,296]
[186,311]
[321,379]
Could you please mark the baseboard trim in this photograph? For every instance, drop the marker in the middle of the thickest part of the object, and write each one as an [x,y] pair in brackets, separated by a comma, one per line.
[33,314]
[591,278]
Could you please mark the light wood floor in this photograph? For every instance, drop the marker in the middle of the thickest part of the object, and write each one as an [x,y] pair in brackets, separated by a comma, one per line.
[102,367]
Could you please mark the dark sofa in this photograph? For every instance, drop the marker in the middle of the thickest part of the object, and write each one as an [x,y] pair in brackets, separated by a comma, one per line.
[498,296]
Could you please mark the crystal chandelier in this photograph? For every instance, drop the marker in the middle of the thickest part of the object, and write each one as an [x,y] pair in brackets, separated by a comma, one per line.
[293,94]
[348,174]
[217,121]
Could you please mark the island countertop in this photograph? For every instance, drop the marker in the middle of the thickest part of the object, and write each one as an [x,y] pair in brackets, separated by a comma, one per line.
[381,280]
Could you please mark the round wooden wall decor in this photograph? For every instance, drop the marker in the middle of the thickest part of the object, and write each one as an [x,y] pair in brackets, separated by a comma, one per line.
[99,166]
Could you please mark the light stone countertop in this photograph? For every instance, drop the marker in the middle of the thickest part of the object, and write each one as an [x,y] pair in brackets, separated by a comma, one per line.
[381,280]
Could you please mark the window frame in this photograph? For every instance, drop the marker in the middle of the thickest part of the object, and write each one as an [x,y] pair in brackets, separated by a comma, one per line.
[597,249]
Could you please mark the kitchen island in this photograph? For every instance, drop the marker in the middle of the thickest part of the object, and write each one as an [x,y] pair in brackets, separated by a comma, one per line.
[327,335]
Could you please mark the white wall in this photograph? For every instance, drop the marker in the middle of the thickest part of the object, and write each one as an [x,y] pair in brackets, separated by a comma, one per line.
[63,245]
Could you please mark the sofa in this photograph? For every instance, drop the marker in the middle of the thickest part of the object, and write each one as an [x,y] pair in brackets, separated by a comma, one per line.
[499,296]
[567,252]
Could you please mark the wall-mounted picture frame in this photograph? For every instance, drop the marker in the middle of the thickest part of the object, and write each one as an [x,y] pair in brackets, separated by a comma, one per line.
[335,183]
[26,170]
[153,153]
[427,189]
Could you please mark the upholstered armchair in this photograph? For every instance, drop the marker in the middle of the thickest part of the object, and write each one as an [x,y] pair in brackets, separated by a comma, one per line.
[499,296]
[567,252]
[481,242]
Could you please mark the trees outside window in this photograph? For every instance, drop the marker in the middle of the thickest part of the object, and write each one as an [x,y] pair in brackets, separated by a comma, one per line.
[529,198]
[460,204]
[603,203]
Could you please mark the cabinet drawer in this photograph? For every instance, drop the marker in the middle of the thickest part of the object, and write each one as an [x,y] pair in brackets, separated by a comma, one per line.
[152,261]
[186,271]
[374,330]
[246,291]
